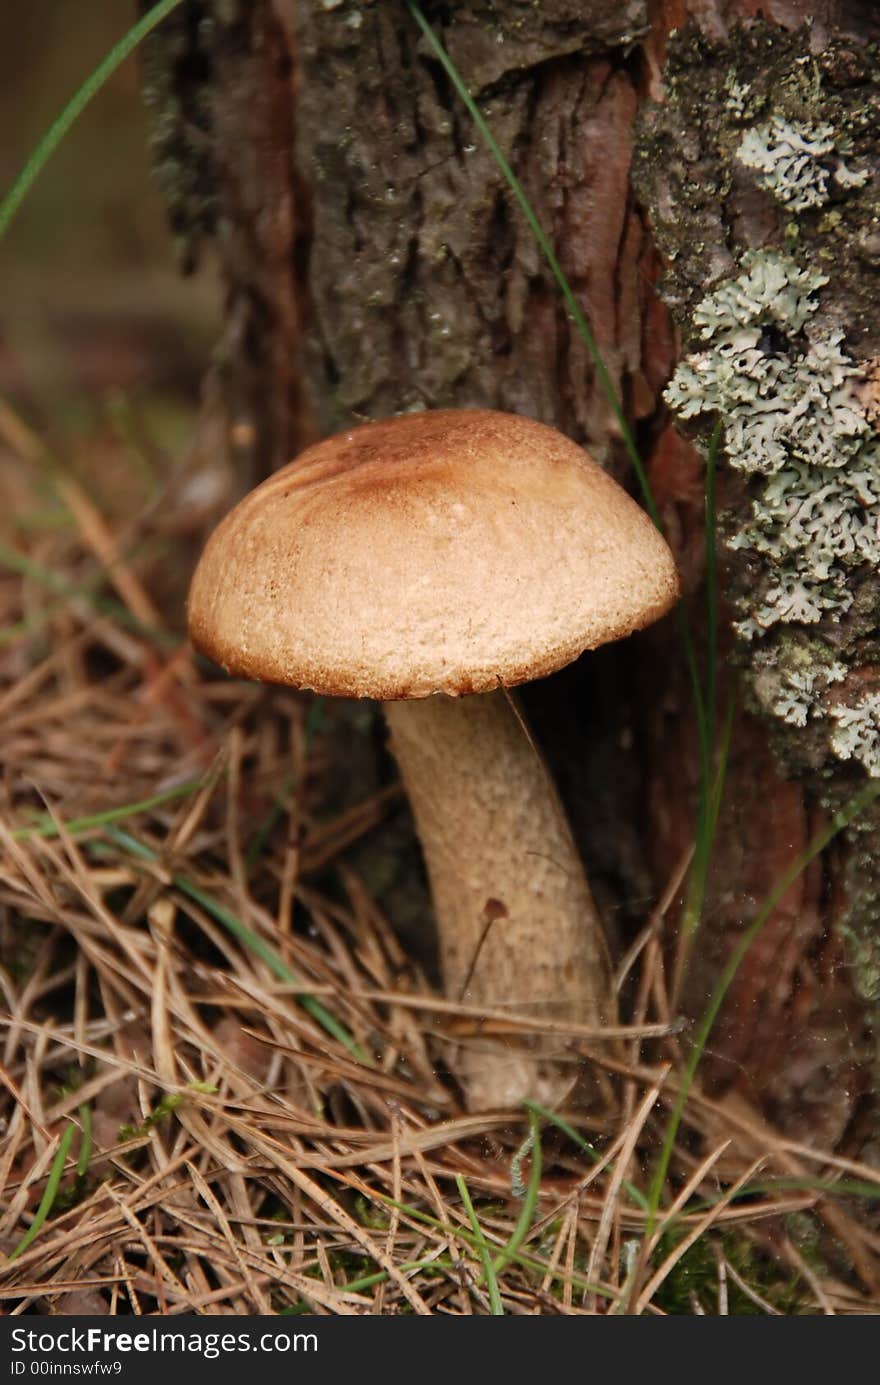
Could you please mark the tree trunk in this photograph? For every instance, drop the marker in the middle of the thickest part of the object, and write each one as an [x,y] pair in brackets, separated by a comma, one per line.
[375,261]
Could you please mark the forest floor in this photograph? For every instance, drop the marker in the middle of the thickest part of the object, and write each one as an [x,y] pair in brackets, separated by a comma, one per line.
[226,1086]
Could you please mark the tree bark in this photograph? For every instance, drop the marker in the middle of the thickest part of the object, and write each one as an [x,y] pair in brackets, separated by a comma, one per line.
[375,261]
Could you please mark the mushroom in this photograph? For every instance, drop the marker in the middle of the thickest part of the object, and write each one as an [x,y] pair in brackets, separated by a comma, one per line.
[433,561]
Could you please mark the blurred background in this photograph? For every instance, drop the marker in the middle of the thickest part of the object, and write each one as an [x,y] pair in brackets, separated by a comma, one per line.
[92,299]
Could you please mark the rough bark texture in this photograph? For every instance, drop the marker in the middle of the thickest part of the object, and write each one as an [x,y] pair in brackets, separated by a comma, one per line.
[518,930]
[371,250]
[220,81]
[418,255]
[422,286]
[709,211]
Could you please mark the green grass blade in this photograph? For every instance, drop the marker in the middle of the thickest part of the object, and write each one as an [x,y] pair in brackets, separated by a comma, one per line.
[547,251]
[105,605]
[546,1114]
[704,713]
[277,809]
[368,1281]
[841,819]
[26,567]
[710,530]
[483,1248]
[47,828]
[75,107]
[471,1240]
[530,1201]
[723,758]
[48,1199]
[706,710]
[252,941]
[831,1187]
[85,1144]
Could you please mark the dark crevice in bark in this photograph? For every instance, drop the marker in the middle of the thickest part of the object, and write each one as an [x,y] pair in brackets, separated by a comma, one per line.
[444,93]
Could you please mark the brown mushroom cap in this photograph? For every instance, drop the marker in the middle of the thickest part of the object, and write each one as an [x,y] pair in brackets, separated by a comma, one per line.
[445,551]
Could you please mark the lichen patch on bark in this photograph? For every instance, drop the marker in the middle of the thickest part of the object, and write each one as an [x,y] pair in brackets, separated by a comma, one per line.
[766,143]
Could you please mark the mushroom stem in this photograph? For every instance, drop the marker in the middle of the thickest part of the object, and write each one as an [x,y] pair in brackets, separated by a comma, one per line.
[517,925]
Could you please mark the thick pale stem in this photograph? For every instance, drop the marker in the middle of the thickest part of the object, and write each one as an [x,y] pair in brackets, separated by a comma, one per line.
[499,851]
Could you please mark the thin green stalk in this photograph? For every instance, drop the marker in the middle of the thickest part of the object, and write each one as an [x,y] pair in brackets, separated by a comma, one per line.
[252,941]
[707,828]
[704,835]
[483,1248]
[107,605]
[838,822]
[75,107]
[723,757]
[833,1187]
[369,1281]
[26,567]
[635,1193]
[711,559]
[528,1262]
[693,671]
[85,1144]
[277,809]
[530,1201]
[547,251]
[48,1199]
[47,828]
[704,713]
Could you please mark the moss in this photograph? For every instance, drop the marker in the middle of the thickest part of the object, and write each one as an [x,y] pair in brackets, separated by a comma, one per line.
[863,949]
[696,1276]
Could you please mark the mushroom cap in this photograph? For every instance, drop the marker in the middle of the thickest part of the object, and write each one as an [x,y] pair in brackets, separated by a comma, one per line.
[444,551]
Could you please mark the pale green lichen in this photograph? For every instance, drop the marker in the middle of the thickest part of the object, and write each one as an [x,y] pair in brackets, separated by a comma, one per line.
[787,396]
[742,100]
[737,95]
[797,161]
[792,689]
[784,387]
[857,733]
